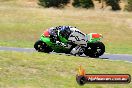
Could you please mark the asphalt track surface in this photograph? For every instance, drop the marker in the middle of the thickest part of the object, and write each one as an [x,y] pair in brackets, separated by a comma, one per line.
[116,57]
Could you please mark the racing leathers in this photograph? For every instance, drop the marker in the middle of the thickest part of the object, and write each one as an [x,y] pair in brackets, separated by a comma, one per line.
[73,35]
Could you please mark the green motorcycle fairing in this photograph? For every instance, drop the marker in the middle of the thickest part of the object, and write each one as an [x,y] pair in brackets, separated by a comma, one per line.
[54,46]
[92,38]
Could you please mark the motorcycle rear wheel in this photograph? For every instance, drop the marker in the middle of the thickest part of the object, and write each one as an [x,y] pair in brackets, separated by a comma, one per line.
[95,50]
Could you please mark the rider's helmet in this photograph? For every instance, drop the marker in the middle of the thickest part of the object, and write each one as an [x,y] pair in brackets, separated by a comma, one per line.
[65,31]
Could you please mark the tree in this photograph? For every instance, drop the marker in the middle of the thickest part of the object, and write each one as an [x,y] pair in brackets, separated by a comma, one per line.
[83,3]
[128,7]
[76,3]
[53,3]
[114,4]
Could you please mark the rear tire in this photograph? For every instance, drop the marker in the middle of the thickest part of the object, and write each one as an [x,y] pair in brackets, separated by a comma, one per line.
[95,50]
[41,46]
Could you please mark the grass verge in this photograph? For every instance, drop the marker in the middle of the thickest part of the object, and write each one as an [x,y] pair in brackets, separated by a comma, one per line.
[39,70]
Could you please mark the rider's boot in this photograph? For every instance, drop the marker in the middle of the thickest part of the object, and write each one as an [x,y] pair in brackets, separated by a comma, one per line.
[78,50]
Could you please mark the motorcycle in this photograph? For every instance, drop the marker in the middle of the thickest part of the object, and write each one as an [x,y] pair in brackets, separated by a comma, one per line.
[94,49]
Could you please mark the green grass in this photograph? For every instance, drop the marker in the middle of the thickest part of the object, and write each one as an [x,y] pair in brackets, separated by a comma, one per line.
[39,70]
[21,24]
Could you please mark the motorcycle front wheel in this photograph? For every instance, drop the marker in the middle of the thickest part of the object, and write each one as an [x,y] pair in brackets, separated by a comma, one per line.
[41,46]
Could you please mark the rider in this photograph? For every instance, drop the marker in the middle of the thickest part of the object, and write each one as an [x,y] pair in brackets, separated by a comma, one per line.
[72,34]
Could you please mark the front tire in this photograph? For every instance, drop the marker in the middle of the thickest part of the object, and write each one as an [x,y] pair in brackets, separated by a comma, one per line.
[95,50]
[41,46]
